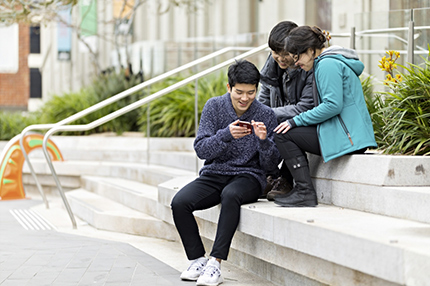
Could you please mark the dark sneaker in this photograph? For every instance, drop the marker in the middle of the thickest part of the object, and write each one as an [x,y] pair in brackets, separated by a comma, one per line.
[281,187]
[269,186]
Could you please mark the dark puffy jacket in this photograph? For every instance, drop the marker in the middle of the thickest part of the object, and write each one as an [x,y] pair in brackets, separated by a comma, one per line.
[298,84]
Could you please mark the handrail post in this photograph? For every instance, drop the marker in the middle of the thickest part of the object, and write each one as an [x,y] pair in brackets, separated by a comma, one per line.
[54,175]
[352,39]
[30,166]
[148,132]
[411,39]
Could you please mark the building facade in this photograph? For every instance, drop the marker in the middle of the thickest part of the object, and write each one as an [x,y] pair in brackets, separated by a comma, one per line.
[161,37]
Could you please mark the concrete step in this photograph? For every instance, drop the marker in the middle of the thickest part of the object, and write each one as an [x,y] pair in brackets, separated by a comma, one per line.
[106,214]
[329,244]
[178,153]
[143,173]
[47,182]
[406,202]
[397,186]
[137,196]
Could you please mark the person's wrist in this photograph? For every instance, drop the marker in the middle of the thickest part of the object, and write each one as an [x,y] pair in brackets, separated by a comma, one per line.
[291,123]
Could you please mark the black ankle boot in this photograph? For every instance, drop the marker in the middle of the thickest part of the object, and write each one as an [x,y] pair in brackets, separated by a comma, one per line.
[303,194]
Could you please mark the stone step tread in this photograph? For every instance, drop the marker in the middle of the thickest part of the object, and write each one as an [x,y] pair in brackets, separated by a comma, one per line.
[393,232]
[94,164]
[104,205]
[137,188]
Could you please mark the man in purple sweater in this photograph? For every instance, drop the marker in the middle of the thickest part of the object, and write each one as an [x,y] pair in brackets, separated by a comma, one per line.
[236,161]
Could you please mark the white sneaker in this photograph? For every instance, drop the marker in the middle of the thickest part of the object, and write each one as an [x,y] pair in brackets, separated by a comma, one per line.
[195,269]
[211,275]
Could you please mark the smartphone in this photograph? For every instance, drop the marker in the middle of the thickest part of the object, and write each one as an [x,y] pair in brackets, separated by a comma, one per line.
[246,124]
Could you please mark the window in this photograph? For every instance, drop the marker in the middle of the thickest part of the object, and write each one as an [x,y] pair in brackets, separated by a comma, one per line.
[35,83]
[35,40]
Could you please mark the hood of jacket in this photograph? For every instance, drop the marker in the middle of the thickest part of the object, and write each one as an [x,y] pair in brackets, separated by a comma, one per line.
[347,56]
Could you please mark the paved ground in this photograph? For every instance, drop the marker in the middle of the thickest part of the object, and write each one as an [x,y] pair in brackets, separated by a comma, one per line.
[48,257]
[38,246]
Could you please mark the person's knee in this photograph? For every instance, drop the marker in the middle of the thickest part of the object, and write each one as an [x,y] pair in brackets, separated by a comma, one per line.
[281,138]
[177,202]
[230,196]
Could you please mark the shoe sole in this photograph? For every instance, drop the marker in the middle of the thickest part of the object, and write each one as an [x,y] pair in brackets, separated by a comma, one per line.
[189,279]
[273,197]
[301,205]
[208,284]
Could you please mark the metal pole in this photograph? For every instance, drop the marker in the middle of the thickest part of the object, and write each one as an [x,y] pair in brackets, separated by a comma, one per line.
[411,39]
[55,176]
[33,173]
[352,38]
[148,129]
[196,117]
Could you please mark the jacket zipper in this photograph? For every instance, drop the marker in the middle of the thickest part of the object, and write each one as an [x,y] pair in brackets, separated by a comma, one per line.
[345,129]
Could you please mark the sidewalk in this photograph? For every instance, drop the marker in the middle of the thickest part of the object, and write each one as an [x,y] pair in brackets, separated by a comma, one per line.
[60,255]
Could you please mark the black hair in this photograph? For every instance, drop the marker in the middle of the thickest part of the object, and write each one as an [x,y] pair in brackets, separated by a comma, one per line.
[302,38]
[278,34]
[243,71]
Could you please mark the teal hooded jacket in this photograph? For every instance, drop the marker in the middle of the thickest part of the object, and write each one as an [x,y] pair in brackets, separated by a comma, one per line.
[342,119]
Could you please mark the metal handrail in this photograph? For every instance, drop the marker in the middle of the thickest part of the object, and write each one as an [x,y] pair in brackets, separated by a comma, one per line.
[126,109]
[112,100]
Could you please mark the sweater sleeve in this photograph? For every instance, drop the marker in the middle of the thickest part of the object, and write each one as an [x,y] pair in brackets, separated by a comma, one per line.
[268,152]
[329,81]
[211,141]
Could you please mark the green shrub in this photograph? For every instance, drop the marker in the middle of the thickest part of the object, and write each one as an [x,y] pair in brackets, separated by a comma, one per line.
[406,113]
[375,103]
[104,86]
[173,114]
[12,123]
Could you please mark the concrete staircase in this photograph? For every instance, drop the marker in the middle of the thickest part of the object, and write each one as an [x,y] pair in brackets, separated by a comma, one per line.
[371,228]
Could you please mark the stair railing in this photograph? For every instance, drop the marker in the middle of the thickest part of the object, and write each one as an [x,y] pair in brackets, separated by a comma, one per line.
[112,100]
[126,109]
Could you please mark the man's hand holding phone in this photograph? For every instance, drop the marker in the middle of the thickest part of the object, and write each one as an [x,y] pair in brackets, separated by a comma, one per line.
[239,129]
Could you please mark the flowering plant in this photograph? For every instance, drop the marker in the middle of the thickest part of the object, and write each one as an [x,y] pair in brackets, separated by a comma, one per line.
[327,36]
[388,64]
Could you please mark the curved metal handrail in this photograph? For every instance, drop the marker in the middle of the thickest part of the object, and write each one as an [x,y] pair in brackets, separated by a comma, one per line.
[126,109]
[112,100]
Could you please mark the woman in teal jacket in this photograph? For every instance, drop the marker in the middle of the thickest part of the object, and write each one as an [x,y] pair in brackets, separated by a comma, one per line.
[340,124]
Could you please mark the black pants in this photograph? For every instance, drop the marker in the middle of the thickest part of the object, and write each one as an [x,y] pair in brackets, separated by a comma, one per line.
[297,141]
[203,193]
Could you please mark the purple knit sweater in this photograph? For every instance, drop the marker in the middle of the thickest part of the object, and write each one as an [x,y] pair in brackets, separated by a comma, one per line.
[225,155]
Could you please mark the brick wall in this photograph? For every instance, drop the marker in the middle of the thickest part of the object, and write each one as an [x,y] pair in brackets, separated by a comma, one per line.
[15,88]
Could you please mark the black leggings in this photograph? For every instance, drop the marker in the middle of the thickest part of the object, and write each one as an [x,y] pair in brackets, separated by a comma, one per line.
[203,193]
[297,141]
